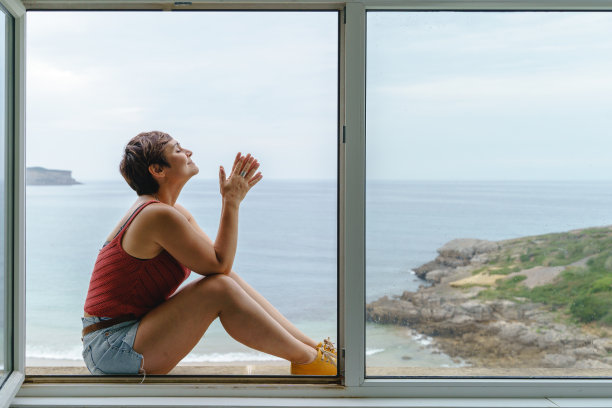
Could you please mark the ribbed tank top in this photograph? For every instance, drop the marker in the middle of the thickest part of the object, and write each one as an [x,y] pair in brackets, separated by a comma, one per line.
[122,284]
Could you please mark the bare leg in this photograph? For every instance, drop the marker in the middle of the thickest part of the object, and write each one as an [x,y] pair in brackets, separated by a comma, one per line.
[170,331]
[263,302]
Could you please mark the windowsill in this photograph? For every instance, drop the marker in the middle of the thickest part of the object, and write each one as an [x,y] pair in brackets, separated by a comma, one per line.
[283,369]
[311,402]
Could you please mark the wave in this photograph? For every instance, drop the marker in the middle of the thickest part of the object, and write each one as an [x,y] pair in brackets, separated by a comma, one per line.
[229,357]
[422,339]
[370,352]
[47,353]
[74,353]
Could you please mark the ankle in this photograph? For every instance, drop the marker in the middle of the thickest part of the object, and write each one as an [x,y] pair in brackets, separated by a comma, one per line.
[309,356]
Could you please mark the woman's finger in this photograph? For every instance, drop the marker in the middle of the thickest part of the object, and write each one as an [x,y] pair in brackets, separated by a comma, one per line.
[247,163]
[247,166]
[221,175]
[239,166]
[244,165]
[251,170]
[255,179]
[236,161]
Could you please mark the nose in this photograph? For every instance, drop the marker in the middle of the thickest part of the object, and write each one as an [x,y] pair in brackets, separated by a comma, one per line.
[188,152]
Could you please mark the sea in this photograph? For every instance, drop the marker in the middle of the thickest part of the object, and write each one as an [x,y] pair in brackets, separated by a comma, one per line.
[287,250]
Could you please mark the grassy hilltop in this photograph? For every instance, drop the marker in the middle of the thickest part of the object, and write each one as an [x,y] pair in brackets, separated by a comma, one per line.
[582,290]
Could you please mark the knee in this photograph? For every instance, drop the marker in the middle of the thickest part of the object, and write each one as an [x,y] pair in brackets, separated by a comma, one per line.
[217,284]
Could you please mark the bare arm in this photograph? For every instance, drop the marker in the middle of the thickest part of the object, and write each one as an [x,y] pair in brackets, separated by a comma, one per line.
[193,223]
[168,228]
[233,190]
[182,237]
[227,237]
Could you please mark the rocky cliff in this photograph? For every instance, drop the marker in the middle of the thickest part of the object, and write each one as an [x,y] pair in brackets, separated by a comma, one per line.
[39,176]
[508,303]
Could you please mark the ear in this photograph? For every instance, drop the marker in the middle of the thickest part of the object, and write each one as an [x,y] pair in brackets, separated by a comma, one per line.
[157,171]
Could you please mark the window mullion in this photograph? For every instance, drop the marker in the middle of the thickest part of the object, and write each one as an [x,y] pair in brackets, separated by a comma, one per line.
[14,299]
[17,198]
[354,203]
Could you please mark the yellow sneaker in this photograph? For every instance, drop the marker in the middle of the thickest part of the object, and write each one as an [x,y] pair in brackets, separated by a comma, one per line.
[327,345]
[323,364]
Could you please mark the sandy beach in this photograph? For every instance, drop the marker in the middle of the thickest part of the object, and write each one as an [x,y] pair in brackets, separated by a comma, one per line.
[44,366]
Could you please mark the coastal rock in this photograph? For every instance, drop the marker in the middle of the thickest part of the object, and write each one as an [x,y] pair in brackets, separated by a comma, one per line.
[392,311]
[507,309]
[552,338]
[528,338]
[588,351]
[460,320]
[537,315]
[582,364]
[39,176]
[436,275]
[558,360]
[488,333]
[480,258]
[422,270]
[509,331]
[477,310]
[603,343]
[454,254]
[466,248]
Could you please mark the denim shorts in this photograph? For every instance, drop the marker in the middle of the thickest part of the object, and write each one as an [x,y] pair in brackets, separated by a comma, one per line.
[109,350]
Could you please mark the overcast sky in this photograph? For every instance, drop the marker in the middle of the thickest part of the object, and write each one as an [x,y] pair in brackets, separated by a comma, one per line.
[219,82]
[450,95]
[490,95]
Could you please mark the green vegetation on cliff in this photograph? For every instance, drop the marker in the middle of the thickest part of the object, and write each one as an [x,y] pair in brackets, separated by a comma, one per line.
[582,290]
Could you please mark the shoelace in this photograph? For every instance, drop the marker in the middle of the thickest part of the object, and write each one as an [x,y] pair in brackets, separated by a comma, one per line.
[329,346]
[326,355]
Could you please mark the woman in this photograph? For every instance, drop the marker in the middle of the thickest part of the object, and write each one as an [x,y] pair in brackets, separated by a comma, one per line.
[134,322]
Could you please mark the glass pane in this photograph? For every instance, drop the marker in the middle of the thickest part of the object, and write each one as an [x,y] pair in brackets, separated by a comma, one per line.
[489,188]
[220,83]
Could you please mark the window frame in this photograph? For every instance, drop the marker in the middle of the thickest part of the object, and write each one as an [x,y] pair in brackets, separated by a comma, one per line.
[14,109]
[195,379]
[351,220]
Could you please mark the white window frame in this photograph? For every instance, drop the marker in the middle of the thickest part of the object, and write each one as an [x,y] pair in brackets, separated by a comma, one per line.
[351,218]
[14,204]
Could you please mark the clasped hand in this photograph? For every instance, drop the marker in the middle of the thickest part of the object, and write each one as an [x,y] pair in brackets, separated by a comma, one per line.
[241,179]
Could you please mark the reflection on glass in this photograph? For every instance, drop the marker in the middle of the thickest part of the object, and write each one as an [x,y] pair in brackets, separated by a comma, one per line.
[489,189]
[223,82]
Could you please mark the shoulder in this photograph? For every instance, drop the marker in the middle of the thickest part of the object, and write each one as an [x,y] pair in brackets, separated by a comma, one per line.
[183,211]
[161,214]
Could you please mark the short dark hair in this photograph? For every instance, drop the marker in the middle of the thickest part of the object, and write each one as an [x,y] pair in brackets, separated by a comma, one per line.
[144,149]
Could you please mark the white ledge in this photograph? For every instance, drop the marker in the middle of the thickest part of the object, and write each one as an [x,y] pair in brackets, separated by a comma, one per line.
[308,402]
[312,402]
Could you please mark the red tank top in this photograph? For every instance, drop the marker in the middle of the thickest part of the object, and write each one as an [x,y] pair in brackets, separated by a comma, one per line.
[122,284]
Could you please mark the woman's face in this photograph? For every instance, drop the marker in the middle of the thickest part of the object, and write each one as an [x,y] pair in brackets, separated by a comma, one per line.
[180,161]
